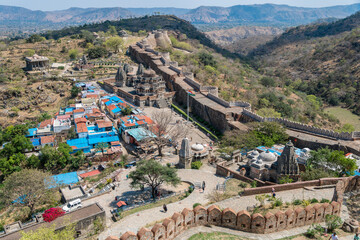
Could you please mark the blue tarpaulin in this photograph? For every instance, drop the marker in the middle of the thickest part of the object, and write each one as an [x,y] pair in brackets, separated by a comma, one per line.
[31,132]
[66,178]
[35,142]
[140,133]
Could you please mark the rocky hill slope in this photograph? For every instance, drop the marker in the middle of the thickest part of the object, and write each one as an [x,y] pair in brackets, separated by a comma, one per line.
[322,60]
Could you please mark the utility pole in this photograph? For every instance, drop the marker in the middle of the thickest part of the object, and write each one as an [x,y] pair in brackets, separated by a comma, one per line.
[187,106]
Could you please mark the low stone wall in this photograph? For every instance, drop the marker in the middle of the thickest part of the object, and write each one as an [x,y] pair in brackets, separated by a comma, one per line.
[242,221]
[225,172]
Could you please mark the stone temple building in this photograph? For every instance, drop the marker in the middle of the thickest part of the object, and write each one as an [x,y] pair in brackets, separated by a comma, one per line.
[268,166]
[36,62]
[287,164]
[187,154]
[142,86]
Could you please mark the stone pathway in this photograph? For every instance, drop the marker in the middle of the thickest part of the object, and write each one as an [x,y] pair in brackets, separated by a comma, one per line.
[135,221]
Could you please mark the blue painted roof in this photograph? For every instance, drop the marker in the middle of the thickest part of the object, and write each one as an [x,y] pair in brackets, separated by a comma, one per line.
[70,109]
[140,133]
[116,110]
[31,132]
[115,99]
[79,143]
[108,103]
[103,139]
[66,178]
[35,142]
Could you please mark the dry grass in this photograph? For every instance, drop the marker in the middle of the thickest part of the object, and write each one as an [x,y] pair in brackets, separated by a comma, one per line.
[345,116]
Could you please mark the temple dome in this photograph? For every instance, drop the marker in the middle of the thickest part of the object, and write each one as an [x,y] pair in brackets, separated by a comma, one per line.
[197,147]
[267,156]
[255,153]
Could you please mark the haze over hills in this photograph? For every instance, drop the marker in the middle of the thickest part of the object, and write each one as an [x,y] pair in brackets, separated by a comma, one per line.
[18,18]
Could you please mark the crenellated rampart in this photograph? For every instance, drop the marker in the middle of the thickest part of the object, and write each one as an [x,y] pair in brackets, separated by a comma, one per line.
[208,105]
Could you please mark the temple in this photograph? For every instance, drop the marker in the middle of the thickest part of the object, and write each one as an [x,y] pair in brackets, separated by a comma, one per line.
[36,62]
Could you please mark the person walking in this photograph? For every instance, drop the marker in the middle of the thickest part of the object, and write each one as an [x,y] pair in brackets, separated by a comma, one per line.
[356,237]
[203,186]
[165,208]
[273,192]
[334,237]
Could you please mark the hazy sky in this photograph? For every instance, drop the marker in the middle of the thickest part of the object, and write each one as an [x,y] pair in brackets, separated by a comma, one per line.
[64,4]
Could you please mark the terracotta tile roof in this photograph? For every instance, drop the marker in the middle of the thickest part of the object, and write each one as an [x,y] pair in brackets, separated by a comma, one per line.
[80,110]
[47,139]
[46,122]
[103,123]
[92,96]
[63,116]
[81,128]
[121,203]
[115,143]
[146,119]
[89,174]
[80,120]
[129,124]
[140,122]
[96,110]
[111,107]
[104,100]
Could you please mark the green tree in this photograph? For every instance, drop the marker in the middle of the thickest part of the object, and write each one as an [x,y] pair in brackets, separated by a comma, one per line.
[33,162]
[112,31]
[75,91]
[17,145]
[47,233]
[12,164]
[73,54]
[97,52]
[126,111]
[269,133]
[54,158]
[268,112]
[29,53]
[44,116]
[71,134]
[347,127]
[28,188]
[101,147]
[153,174]
[267,81]
[114,43]
[88,36]
[35,38]
[207,59]
[333,222]
[13,131]
[332,161]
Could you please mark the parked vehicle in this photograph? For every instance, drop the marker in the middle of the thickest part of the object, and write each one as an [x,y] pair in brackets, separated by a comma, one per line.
[72,205]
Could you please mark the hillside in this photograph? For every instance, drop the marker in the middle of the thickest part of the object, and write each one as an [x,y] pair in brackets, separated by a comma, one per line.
[322,60]
[243,39]
[15,19]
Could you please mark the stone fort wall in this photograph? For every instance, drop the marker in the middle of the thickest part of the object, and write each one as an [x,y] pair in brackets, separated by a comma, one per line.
[242,221]
[144,52]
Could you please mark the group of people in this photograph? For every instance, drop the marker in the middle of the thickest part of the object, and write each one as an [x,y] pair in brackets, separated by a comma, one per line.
[334,236]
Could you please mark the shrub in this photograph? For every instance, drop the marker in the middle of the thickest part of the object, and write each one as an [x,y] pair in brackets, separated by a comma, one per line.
[196,165]
[267,81]
[191,189]
[314,200]
[324,200]
[73,54]
[332,222]
[253,184]
[306,202]
[196,204]
[311,232]
[277,203]
[297,202]
[108,181]
[243,184]
[52,214]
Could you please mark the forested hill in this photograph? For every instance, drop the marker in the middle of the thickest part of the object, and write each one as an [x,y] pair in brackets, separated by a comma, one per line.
[147,23]
[321,60]
[305,32]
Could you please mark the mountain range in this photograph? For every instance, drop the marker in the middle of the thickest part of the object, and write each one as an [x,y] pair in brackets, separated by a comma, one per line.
[18,18]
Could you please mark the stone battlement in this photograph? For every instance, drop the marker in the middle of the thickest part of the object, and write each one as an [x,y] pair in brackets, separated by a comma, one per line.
[242,221]
[211,107]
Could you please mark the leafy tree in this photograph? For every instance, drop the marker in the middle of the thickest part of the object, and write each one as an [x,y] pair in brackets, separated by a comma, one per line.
[112,31]
[47,233]
[332,161]
[114,43]
[44,116]
[347,127]
[71,133]
[53,158]
[73,54]
[77,160]
[315,173]
[196,165]
[269,133]
[17,145]
[285,179]
[126,111]
[267,81]
[268,112]
[97,52]
[29,52]
[153,174]
[207,59]
[88,36]
[27,188]
[35,38]
[101,147]
[13,131]
[333,222]
[33,162]
[12,164]
[75,91]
